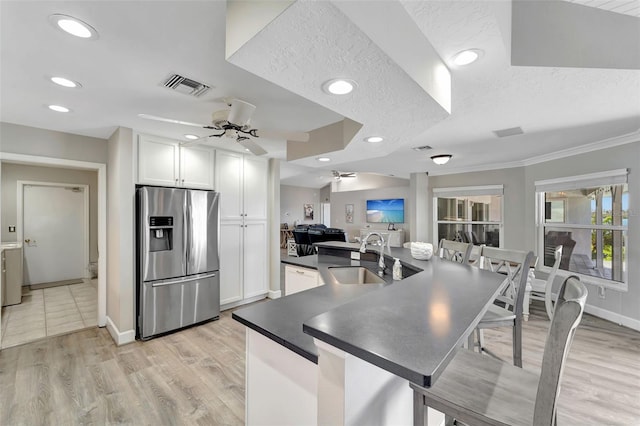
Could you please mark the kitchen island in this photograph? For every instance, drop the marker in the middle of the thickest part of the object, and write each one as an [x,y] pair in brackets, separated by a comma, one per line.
[344,353]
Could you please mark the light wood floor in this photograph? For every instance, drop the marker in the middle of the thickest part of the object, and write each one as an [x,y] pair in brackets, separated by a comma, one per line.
[197,376]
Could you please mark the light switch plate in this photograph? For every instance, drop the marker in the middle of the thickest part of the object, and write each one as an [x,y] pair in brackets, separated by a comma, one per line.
[355,255]
[12,228]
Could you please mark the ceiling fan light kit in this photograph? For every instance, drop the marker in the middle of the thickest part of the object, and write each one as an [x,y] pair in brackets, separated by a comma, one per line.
[234,123]
[441,159]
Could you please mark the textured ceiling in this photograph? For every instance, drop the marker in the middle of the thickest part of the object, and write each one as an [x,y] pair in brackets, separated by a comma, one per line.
[283,67]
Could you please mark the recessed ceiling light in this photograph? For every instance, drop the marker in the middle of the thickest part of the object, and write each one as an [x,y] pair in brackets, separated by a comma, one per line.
[65,82]
[73,26]
[59,108]
[441,159]
[339,86]
[466,57]
[374,139]
[324,159]
[191,137]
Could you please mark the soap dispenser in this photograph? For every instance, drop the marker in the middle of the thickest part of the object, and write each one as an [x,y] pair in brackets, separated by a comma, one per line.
[397,270]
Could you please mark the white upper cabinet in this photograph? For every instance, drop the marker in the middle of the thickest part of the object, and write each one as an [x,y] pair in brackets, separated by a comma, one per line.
[164,162]
[242,183]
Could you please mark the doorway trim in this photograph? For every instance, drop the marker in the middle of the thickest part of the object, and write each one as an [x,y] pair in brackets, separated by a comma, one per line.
[85,213]
[101,168]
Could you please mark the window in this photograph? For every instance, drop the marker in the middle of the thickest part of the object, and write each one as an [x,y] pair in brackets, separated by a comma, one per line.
[469,214]
[588,215]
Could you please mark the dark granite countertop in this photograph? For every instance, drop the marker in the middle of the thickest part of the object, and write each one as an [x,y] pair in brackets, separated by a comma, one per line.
[411,327]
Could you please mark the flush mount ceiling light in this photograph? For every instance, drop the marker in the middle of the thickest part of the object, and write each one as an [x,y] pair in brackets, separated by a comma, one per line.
[58,108]
[323,159]
[65,82]
[466,57]
[339,86]
[191,137]
[73,26]
[374,139]
[441,159]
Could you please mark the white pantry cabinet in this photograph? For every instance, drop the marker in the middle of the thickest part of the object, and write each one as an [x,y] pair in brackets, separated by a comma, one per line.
[298,279]
[164,162]
[241,181]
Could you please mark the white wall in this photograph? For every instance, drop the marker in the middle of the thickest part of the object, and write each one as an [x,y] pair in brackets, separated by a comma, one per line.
[11,173]
[292,200]
[359,200]
[120,240]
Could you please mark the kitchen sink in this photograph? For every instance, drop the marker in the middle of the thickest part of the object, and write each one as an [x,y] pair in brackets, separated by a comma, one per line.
[354,275]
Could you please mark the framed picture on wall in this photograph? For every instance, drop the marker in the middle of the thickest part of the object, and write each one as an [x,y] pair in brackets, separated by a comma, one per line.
[308,212]
[348,213]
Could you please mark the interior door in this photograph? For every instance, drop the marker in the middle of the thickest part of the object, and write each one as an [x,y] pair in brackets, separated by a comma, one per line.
[54,233]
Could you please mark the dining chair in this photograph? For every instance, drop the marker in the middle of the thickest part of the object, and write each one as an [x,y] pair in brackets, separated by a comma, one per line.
[454,251]
[515,265]
[541,289]
[480,390]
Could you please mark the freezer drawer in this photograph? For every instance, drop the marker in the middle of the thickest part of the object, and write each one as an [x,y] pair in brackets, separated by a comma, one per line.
[170,305]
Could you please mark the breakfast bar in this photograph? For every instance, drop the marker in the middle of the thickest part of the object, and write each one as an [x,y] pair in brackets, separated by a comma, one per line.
[345,353]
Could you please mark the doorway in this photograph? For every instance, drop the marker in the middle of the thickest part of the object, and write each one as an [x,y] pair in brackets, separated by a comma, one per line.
[88,295]
[55,233]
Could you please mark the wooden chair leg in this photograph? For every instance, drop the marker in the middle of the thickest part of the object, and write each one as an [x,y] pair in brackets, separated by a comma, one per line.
[419,410]
[517,344]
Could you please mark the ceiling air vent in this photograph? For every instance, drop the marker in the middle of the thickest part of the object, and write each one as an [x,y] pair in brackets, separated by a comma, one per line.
[186,85]
[422,148]
[508,132]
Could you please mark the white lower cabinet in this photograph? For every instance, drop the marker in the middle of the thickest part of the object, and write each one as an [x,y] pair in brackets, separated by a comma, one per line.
[298,279]
[243,260]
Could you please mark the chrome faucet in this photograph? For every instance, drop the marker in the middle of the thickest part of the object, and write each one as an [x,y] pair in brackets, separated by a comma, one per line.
[363,248]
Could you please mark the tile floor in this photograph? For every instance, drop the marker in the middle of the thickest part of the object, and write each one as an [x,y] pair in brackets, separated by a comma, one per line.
[49,312]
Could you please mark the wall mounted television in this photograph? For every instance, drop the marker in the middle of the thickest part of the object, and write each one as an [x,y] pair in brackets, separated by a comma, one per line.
[385,211]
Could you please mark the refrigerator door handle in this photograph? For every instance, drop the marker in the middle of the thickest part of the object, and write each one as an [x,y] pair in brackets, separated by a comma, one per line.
[182,281]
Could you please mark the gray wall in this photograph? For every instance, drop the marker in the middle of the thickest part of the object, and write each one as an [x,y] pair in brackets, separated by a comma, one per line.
[519,211]
[514,200]
[359,200]
[292,199]
[48,143]
[11,173]
[620,157]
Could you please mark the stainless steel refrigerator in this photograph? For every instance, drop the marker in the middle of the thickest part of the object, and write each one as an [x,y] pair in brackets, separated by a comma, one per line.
[178,283]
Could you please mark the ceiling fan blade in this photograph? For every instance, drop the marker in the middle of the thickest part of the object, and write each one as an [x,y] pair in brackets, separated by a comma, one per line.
[241,112]
[170,120]
[252,146]
[289,136]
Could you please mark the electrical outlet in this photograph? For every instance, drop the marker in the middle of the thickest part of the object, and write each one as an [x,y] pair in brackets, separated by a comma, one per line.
[355,255]
[12,228]
[601,292]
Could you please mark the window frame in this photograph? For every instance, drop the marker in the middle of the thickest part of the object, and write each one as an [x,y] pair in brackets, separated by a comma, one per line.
[612,177]
[468,191]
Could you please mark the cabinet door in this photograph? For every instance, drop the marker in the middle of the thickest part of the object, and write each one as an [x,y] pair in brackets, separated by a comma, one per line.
[157,161]
[231,233]
[255,259]
[298,279]
[196,167]
[228,173]
[255,188]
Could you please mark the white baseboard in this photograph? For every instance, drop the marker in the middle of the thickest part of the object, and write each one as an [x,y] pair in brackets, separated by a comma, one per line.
[274,294]
[120,338]
[242,302]
[613,317]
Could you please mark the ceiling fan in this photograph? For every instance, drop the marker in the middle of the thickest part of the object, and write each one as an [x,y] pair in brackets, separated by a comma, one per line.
[234,123]
[339,175]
